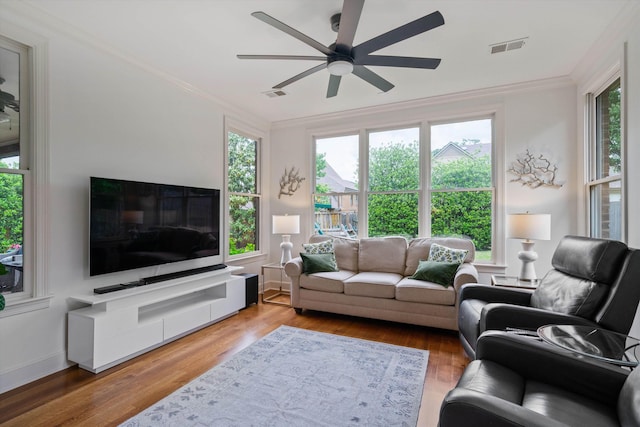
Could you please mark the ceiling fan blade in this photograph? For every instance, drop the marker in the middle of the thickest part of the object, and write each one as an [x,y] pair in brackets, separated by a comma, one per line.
[301,75]
[372,78]
[403,32]
[349,18]
[296,57]
[334,84]
[292,32]
[399,61]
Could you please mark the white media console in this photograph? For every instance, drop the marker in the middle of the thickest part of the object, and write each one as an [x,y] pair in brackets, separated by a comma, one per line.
[118,326]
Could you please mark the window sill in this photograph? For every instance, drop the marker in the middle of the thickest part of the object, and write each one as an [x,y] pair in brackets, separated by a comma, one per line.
[25,305]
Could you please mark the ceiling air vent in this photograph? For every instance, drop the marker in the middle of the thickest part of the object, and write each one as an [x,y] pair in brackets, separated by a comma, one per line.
[508,45]
[275,93]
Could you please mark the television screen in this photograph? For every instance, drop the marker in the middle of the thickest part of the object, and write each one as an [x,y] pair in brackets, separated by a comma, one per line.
[139,224]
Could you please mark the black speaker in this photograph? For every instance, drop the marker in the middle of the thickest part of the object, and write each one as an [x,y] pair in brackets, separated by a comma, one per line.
[251,286]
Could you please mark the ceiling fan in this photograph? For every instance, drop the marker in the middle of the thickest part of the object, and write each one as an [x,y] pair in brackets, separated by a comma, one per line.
[343,58]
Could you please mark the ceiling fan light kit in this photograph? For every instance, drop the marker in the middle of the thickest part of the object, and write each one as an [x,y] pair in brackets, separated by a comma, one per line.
[340,67]
[342,58]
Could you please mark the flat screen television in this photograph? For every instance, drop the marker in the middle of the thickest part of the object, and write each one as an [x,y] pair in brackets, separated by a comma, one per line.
[140,224]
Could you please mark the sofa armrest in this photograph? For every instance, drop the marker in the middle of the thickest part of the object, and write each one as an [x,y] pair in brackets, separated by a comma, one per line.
[495,294]
[467,273]
[293,268]
[501,316]
[536,360]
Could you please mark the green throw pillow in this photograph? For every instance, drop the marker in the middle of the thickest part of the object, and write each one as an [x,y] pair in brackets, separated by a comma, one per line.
[444,254]
[318,263]
[441,273]
[324,247]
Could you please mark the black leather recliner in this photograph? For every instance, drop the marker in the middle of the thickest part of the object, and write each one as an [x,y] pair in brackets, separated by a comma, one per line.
[517,381]
[593,282]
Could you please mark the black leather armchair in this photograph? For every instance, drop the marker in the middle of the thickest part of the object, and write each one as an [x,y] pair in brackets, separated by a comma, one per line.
[593,282]
[518,381]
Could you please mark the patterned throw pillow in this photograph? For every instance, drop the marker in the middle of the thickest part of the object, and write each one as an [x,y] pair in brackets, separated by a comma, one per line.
[444,254]
[324,247]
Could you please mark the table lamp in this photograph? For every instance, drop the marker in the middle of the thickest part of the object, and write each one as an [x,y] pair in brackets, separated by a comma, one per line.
[286,225]
[528,227]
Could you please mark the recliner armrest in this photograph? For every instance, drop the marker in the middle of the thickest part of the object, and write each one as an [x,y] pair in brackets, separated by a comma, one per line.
[500,316]
[463,407]
[495,294]
[537,360]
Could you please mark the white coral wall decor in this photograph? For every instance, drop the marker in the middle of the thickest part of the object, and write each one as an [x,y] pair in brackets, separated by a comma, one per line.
[534,171]
[290,182]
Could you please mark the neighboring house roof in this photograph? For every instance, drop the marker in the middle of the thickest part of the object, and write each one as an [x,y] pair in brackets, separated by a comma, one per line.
[453,151]
[335,182]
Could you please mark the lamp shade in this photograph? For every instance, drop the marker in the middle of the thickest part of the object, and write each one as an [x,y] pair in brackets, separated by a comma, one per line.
[286,224]
[529,226]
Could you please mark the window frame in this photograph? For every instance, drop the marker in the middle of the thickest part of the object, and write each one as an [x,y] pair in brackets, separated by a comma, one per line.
[244,131]
[592,182]
[34,160]
[493,112]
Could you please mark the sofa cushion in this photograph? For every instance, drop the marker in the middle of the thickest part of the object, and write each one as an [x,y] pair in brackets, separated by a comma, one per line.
[419,248]
[382,254]
[345,250]
[413,290]
[441,273]
[318,263]
[326,282]
[370,284]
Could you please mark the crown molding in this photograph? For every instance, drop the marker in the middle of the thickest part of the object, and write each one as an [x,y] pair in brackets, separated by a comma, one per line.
[533,85]
[29,15]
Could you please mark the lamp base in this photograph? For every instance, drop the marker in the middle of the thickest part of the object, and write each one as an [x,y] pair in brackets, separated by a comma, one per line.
[286,247]
[528,257]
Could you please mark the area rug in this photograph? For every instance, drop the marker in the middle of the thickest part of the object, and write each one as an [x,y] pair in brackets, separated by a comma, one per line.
[297,377]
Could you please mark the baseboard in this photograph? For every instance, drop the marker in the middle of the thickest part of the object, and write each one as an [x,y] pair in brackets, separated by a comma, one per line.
[275,284]
[30,372]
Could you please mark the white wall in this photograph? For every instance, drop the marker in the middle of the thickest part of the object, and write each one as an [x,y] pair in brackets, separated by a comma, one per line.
[538,116]
[108,117]
[619,50]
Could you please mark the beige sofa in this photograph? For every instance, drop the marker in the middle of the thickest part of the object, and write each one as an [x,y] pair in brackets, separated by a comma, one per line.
[374,281]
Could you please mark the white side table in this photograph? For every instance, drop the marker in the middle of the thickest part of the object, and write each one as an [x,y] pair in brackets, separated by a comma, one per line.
[270,298]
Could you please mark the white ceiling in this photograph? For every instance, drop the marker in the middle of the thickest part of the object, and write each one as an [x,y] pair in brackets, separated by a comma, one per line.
[196,42]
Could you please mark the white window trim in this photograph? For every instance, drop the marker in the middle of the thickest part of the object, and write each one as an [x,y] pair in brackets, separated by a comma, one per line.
[36,239]
[590,94]
[492,111]
[241,128]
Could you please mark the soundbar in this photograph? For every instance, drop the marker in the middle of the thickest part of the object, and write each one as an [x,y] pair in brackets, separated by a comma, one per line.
[158,279]
[178,274]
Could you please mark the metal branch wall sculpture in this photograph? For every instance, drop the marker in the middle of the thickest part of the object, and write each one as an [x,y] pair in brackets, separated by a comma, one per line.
[534,172]
[290,182]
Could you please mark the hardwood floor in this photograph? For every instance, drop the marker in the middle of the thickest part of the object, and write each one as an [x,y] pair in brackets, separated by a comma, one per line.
[75,397]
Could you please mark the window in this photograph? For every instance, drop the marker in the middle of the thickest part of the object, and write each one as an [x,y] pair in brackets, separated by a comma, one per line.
[244,193]
[394,183]
[606,163]
[14,170]
[405,191]
[24,158]
[461,182]
[336,194]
